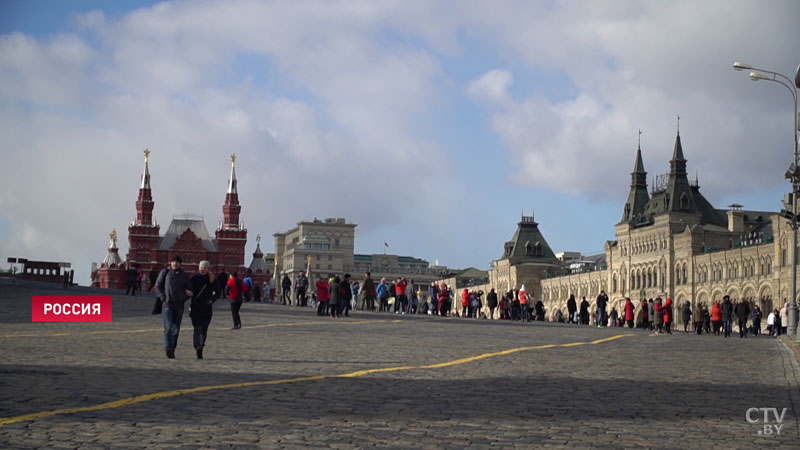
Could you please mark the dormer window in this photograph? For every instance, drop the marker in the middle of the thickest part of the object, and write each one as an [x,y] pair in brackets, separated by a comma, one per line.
[528,249]
[684,201]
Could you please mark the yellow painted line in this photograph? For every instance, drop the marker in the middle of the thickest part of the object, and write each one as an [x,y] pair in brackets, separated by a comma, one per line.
[151,330]
[573,344]
[599,341]
[359,373]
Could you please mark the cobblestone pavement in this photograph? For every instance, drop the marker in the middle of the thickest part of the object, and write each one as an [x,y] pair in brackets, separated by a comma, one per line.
[315,383]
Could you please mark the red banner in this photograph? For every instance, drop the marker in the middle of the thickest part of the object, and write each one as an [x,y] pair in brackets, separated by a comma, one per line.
[71,309]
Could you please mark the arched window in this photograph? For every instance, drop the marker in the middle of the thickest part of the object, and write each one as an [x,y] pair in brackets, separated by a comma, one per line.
[677,275]
[614,283]
[684,277]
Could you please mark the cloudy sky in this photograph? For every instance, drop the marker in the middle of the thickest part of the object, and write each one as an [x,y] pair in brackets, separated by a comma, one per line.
[431,125]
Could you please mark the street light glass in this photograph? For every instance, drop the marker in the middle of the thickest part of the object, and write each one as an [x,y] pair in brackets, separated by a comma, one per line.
[740,65]
[755,76]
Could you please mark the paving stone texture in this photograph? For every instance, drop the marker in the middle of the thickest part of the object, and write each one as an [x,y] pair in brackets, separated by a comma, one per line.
[639,391]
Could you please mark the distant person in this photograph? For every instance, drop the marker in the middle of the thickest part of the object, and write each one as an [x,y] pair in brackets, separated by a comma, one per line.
[651,311]
[539,311]
[346,296]
[697,319]
[383,295]
[784,318]
[645,307]
[369,294]
[743,314]
[300,289]
[130,281]
[266,289]
[658,321]
[584,313]
[777,328]
[206,293]
[249,284]
[464,302]
[491,301]
[323,294]
[686,313]
[756,320]
[716,317]
[286,284]
[174,288]
[236,290]
[525,312]
[771,322]
[444,298]
[629,312]
[400,291]
[336,294]
[602,315]
[668,315]
[727,315]
[571,308]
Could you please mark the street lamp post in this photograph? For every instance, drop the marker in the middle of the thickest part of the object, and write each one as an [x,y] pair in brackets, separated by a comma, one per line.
[793,174]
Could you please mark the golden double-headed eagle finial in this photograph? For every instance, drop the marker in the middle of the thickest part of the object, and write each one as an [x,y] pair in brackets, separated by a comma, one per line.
[146,154]
[233,159]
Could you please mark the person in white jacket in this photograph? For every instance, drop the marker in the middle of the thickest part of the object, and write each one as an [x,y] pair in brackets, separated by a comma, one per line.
[771,323]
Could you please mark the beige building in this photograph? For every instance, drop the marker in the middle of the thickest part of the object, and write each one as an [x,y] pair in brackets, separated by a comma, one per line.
[671,242]
[327,245]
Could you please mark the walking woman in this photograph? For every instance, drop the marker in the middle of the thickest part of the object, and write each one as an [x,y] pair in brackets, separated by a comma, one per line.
[205,294]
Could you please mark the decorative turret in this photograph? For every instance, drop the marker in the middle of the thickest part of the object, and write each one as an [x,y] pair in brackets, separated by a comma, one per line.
[638,196]
[112,271]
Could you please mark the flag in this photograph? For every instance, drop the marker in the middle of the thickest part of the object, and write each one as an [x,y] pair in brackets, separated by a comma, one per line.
[386,245]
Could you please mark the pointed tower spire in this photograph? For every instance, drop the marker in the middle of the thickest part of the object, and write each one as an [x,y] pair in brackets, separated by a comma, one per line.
[146,172]
[144,204]
[231,208]
[638,196]
[678,162]
[232,178]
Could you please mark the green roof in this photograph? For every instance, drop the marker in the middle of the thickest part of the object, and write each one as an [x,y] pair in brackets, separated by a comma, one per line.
[528,242]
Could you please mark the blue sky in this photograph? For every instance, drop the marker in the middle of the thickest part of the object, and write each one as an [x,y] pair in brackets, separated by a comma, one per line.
[430,125]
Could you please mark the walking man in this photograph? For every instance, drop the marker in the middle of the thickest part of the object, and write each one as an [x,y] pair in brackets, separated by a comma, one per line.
[286,284]
[173,287]
[602,317]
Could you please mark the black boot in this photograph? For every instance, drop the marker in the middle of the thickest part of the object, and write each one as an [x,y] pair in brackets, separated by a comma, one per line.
[200,353]
[170,353]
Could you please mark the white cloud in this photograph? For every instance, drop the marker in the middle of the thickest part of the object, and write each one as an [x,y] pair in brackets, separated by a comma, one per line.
[492,86]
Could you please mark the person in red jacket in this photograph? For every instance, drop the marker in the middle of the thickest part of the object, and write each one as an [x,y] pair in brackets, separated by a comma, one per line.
[629,312]
[464,303]
[323,294]
[645,315]
[236,291]
[716,318]
[668,316]
[444,297]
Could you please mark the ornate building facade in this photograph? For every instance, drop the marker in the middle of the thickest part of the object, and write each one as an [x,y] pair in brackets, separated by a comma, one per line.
[186,236]
[671,242]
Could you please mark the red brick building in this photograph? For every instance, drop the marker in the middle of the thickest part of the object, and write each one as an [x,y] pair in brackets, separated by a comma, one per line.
[186,236]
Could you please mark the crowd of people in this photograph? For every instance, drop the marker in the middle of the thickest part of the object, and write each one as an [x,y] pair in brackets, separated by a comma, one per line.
[658,316]
[337,296]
